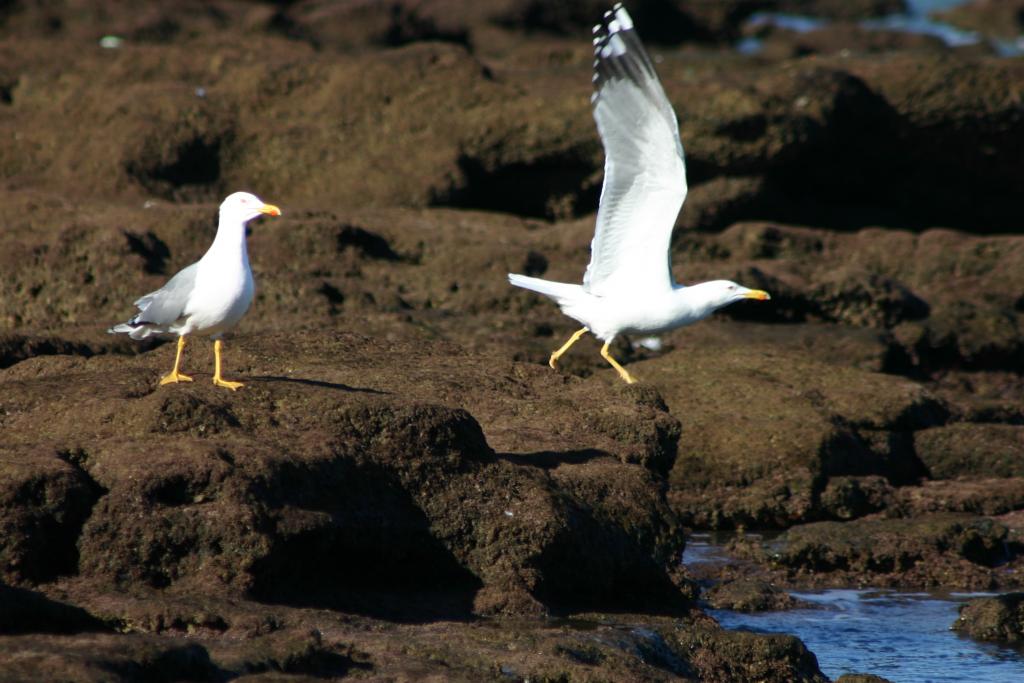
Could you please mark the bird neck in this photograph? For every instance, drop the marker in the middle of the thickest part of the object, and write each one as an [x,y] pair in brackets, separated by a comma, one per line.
[696,300]
[230,238]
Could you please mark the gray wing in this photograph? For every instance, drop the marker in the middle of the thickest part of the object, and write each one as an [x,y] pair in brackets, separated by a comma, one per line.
[644,172]
[167,304]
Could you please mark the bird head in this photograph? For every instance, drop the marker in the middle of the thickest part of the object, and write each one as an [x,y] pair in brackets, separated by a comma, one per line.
[724,292]
[243,207]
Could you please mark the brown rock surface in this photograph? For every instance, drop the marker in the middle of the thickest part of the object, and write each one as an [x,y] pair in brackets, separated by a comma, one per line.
[197,116]
[236,641]
[403,490]
[972,450]
[243,491]
[939,550]
[355,499]
[812,421]
[845,38]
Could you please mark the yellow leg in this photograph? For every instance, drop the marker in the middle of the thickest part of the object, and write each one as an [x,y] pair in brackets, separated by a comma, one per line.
[176,376]
[565,347]
[217,379]
[621,370]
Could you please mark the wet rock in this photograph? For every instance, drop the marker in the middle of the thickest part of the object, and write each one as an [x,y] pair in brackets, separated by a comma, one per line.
[931,550]
[737,655]
[861,678]
[1000,618]
[749,595]
[976,451]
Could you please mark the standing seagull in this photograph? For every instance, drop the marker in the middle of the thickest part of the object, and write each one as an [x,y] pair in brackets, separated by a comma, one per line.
[628,286]
[210,296]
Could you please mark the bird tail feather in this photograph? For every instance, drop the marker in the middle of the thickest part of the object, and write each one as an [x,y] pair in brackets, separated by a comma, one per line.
[559,291]
[136,330]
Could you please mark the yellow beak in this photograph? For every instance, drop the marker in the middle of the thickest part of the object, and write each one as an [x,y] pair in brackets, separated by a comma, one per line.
[270,209]
[758,294]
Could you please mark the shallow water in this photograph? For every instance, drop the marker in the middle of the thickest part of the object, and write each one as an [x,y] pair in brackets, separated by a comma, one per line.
[916,19]
[904,637]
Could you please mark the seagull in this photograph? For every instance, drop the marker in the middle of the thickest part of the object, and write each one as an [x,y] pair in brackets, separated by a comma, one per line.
[628,287]
[208,297]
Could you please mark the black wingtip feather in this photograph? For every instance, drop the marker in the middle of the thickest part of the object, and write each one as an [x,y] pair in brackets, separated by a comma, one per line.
[633,64]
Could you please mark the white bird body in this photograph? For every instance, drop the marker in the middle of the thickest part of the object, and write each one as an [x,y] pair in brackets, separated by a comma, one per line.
[658,311]
[208,297]
[226,278]
[628,286]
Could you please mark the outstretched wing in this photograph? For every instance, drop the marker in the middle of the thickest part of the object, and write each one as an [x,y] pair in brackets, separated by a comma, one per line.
[644,173]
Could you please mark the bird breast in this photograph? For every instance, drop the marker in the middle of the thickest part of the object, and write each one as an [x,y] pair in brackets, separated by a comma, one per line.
[223,292]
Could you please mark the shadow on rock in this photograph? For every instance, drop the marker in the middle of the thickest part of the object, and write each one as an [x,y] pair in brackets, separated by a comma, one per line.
[551,459]
[314,383]
[26,611]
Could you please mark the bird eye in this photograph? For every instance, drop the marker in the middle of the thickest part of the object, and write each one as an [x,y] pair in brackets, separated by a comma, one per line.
[731,287]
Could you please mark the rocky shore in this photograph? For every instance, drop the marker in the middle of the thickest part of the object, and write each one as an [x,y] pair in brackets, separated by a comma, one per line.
[404,490]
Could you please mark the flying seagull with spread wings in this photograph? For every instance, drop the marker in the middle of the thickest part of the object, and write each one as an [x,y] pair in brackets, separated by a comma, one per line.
[208,297]
[628,287]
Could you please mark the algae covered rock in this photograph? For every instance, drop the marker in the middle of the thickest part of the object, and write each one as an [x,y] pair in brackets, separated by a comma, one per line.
[999,618]
[930,550]
[749,595]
